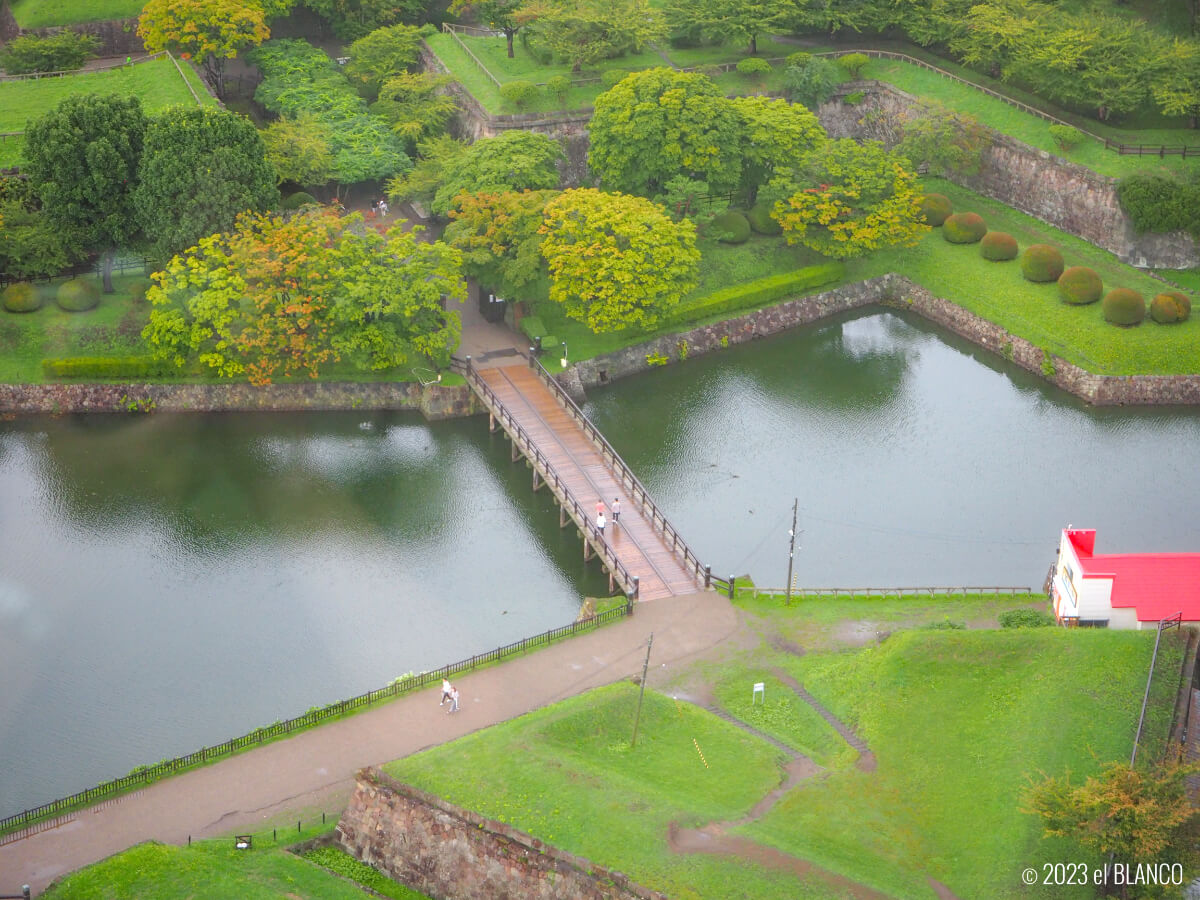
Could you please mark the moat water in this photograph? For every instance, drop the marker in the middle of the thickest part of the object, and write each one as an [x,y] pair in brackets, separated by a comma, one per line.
[168,582]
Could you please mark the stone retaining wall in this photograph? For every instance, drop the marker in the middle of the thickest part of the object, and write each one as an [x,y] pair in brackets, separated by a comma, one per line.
[448,852]
[1066,195]
[894,291]
[118,37]
[434,401]
[9,28]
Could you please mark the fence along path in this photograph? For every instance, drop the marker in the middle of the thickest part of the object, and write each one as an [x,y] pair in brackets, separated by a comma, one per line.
[581,471]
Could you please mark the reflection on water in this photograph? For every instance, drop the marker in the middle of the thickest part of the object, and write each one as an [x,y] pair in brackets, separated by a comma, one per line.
[167,582]
[917,459]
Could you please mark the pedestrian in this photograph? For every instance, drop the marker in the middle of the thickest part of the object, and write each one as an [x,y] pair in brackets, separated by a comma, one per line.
[453,701]
[600,522]
[446,689]
[599,508]
[616,508]
[383,209]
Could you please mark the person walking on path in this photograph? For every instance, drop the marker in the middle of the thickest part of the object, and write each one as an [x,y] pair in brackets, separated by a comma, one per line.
[600,522]
[453,701]
[599,508]
[383,209]
[446,690]
[616,510]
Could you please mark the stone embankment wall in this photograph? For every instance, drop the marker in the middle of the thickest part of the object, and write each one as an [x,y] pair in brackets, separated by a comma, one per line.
[894,291]
[445,851]
[118,37]
[9,28]
[1066,195]
[434,401]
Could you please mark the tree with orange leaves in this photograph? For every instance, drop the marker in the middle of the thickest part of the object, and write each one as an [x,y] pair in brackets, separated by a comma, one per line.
[278,298]
[209,31]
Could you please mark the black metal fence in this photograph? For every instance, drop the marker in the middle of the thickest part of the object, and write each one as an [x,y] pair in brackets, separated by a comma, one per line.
[1159,150]
[141,776]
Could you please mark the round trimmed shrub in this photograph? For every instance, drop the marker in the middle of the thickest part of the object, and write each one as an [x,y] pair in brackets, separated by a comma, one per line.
[1080,285]
[936,208]
[731,227]
[519,93]
[77,295]
[297,200]
[753,67]
[760,219]
[1170,307]
[998,246]
[1123,306]
[610,77]
[964,228]
[21,296]
[1041,262]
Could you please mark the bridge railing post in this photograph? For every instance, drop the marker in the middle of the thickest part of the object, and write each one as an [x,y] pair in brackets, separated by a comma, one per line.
[732,586]
[637,587]
[707,577]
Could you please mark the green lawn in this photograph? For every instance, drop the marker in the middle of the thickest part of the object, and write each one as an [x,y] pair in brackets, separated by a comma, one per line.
[957,720]
[998,292]
[215,870]
[156,81]
[43,13]
[566,774]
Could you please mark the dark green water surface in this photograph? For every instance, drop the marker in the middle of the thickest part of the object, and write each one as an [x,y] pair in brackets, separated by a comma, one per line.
[168,582]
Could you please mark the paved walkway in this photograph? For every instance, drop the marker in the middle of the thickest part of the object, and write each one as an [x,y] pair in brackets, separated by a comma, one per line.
[318,766]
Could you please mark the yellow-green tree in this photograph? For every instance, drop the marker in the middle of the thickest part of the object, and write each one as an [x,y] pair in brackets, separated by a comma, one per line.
[211,31]
[617,261]
[848,199]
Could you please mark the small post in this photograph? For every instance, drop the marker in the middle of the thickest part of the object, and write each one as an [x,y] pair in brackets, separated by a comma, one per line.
[791,552]
[707,577]
[637,586]
[732,581]
[469,364]
[641,693]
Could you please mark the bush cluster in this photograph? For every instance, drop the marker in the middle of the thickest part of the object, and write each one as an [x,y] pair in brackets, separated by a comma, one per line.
[107,367]
[753,67]
[21,296]
[62,51]
[935,209]
[1123,306]
[1041,262]
[998,246]
[964,228]
[1170,307]
[760,219]
[297,200]
[730,227]
[853,63]
[1159,204]
[1080,285]
[1025,618]
[77,295]
[520,93]
[756,293]
[1066,136]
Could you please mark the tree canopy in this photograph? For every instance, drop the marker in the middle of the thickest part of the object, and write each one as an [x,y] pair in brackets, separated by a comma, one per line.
[736,20]
[582,32]
[378,56]
[948,141]
[62,51]
[616,261]
[299,150]
[500,237]
[415,105]
[351,19]
[278,298]
[775,136]
[82,158]
[512,161]
[211,31]
[200,169]
[847,199]
[501,15]
[657,124]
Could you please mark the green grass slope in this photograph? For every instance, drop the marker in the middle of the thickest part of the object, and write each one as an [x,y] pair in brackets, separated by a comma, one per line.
[44,13]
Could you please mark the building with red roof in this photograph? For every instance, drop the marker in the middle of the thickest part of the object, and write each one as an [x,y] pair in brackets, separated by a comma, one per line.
[1122,590]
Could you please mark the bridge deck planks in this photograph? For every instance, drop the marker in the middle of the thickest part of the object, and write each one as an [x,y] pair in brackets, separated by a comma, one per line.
[639,545]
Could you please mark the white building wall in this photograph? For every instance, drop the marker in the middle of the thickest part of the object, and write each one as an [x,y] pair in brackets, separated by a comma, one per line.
[1126,618]
[1095,598]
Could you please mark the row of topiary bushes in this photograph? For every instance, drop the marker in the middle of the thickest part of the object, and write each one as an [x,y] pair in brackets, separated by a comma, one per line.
[76,295]
[1043,263]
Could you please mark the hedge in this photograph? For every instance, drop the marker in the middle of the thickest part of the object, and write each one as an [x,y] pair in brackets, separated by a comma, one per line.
[533,327]
[1041,263]
[1123,306]
[964,228]
[1170,307]
[77,295]
[1159,204]
[730,227]
[1080,285]
[756,293]
[22,297]
[760,219]
[107,367]
[998,246]
[935,209]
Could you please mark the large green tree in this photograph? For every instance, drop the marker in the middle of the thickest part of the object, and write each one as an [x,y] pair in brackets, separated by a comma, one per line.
[278,298]
[617,261]
[500,236]
[501,15]
[416,105]
[512,161]
[949,142]
[847,199]
[62,51]
[200,169]
[211,31]
[352,19]
[729,20]
[657,124]
[82,158]
[383,53]
[31,245]
[299,150]
[776,135]
[582,32]
[1176,88]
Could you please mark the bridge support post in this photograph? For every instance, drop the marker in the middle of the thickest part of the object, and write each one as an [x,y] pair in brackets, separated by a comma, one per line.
[563,518]
[588,551]
[492,422]
[637,587]
[536,480]
[516,451]
[611,584]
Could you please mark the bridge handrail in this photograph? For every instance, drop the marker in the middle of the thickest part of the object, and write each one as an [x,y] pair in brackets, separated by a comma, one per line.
[636,487]
[629,582]
[889,592]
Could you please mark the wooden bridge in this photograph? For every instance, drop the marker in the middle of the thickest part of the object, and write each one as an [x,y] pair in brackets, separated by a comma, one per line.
[642,552]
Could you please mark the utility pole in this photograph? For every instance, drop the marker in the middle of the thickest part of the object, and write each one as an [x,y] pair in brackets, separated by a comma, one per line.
[791,551]
[642,693]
